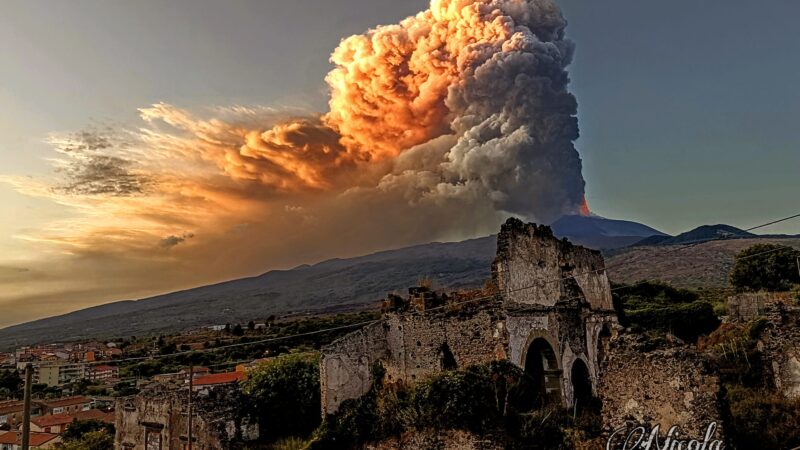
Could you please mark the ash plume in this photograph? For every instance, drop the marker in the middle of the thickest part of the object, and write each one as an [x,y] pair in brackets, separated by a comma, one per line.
[491,75]
[438,128]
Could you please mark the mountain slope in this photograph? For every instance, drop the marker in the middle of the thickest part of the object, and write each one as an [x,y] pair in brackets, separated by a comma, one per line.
[337,284]
[599,232]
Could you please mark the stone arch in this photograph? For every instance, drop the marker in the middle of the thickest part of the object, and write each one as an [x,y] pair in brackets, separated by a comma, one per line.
[543,372]
[581,381]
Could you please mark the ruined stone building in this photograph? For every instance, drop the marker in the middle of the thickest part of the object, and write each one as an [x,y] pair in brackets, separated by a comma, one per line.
[548,310]
[780,341]
[157,419]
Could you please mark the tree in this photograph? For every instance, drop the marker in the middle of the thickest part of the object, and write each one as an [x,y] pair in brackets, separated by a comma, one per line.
[237,330]
[95,440]
[765,267]
[11,380]
[285,395]
[78,429]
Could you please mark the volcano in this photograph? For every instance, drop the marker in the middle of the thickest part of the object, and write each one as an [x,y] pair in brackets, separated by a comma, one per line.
[601,233]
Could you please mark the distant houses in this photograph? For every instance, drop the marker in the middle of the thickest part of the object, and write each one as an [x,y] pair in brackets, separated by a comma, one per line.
[57,423]
[66,405]
[12,440]
[204,384]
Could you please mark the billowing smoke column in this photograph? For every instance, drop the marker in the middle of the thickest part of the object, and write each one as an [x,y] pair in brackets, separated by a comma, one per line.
[466,101]
[490,75]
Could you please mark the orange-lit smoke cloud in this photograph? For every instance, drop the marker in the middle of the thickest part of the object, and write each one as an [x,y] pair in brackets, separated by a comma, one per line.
[438,128]
[487,77]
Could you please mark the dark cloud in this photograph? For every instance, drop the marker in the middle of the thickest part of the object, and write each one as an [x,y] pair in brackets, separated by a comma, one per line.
[92,139]
[172,241]
[102,175]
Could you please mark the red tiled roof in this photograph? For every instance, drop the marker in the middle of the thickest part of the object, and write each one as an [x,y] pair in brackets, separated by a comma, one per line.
[67,401]
[11,406]
[37,439]
[63,419]
[51,420]
[95,414]
[220,378]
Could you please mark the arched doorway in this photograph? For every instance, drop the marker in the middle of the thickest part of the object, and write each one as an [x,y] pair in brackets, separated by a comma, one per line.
[542,374]
[581,385]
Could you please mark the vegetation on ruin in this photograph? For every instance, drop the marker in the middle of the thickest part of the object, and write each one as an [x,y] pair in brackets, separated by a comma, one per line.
[760,416]
[655,306]
[488,400]
[284,396]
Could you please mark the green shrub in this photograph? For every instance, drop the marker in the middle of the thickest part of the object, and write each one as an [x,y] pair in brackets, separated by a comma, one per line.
[284,395]
[660,307]
[765,267]
[93,440]
[763,419]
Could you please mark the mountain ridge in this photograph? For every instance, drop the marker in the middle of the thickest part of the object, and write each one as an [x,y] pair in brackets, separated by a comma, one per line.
[345,284]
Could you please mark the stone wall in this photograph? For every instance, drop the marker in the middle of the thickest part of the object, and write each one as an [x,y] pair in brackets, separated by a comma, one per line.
[544,288]
[780,343]
[748,306]
[409,347]
[159,416]
[534,268]
[662,387]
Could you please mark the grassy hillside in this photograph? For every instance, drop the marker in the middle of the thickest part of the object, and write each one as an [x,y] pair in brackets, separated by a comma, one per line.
[705,265]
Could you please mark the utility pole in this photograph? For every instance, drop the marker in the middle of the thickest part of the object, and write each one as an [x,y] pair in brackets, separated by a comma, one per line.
[191,388]
[26,415]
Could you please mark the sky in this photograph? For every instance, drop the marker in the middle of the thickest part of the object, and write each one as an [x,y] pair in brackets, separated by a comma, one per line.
[152,146]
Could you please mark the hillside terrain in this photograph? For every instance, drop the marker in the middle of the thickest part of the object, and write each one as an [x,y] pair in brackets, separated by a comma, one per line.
[330,286]
[690,266]
[356,283]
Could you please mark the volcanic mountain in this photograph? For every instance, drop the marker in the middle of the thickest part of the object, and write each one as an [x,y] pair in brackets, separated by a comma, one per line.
[601,233]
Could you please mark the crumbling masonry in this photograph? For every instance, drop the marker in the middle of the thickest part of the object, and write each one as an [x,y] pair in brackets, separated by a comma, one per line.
[548,310]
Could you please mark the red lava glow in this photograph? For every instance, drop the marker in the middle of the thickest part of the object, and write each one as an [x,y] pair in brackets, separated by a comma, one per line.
[585,211]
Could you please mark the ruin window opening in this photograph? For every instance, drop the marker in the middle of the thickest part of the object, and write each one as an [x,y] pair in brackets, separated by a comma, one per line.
[447,359]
